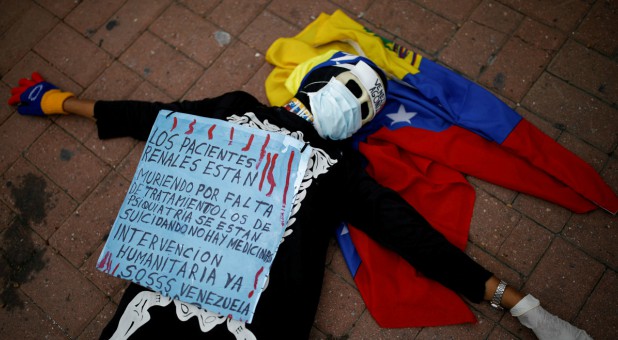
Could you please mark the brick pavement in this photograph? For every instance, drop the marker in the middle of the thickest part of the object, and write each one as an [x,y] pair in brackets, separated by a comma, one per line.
[554,61]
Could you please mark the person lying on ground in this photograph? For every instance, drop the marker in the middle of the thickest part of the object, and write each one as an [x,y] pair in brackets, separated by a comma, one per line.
[329,108]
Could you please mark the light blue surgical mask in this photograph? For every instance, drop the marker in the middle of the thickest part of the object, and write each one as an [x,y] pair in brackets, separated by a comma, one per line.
[336,111]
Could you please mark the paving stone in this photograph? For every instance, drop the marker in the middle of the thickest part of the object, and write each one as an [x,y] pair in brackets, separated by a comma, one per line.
[505,195]
[94,329]
[547,214]
[525,246]
[6,217]
[22,258]
[479,330]
[597,234]
[522,59]
[5,269]
[563,279]
[157,62]
[5,110]
[110,285]
[260,34]
[32,62]
[574,110]
[22,249]
[129,164]
[496,16]
[340,267]
[471,49]
[494,265]
[547,127]
[90,224]
[601,323]
[515,68]
[228,16]
[178,26]
[457,11]
[90,15]
[367,328]
[492,222]
[12,12]
[201,7]
[588,70]
[341,299]
[355,6]
[300,12]
[68,163]
[40,204]
[499,333]
[115,83]
[255,85]
[235,66]
[411,23]
[610,173]
[17,133]
[24,33]
[120,293]
[28,322]
[599,30]
[148,92]
[67,297]
[512,325]
[591,155]
[564,15]
[315,334]
[127,24]
[73,54]
[384,34]
[540,35]
[76,126]
[59,7]
[111,151]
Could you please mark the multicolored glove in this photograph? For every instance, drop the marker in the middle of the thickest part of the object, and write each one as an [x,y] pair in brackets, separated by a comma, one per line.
[36,97]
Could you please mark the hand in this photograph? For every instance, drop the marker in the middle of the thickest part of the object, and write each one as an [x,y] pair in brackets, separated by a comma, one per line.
[29,96]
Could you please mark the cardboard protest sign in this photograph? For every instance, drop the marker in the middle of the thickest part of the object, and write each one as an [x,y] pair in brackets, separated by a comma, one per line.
[206,211]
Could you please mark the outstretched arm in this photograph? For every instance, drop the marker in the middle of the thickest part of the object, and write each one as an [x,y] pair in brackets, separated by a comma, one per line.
[80,107]
[388,219]
[36,97]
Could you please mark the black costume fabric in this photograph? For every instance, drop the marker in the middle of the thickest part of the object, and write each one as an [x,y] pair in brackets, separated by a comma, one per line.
[336,189]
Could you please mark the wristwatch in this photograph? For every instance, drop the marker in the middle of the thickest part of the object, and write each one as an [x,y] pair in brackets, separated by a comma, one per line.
[495,301]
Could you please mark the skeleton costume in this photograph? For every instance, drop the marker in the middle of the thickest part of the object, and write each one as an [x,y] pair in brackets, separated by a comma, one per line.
[343,95]
[335,188]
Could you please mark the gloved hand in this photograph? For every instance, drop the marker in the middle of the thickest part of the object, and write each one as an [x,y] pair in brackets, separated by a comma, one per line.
[545,325]
[36,97]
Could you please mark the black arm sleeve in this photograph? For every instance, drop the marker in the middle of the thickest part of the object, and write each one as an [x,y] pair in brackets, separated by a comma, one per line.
[136,118]
[389,220]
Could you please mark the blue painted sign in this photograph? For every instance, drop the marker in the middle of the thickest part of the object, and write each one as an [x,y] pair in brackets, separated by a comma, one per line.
[206,212]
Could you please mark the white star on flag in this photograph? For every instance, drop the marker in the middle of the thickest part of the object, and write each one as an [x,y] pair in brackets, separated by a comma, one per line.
[402,116]
[344,230]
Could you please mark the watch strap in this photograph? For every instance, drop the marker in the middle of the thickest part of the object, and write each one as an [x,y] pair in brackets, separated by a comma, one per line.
[497,298]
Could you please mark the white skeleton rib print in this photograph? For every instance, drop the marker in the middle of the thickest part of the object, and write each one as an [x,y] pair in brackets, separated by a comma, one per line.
[136,315]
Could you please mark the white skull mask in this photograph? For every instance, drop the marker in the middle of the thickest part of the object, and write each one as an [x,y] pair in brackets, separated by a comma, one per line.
[367,86]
